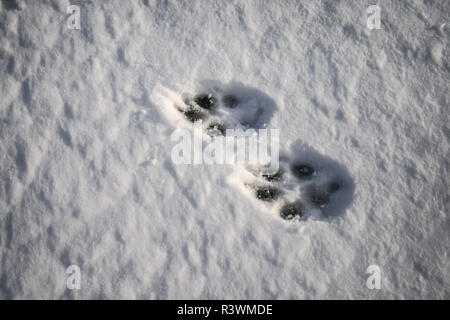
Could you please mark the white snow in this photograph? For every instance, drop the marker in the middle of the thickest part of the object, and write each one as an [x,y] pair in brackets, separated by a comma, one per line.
[86,176]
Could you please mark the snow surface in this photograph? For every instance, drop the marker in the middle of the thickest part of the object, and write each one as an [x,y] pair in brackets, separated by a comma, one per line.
[86,176]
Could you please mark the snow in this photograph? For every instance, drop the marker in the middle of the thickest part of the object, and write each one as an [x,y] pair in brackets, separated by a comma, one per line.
[87,179]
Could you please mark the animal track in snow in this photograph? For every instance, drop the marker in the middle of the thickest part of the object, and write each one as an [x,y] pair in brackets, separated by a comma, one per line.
[222,110]
[306,185]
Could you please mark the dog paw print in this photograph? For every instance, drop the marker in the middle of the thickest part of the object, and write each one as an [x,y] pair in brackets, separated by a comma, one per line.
[316,187]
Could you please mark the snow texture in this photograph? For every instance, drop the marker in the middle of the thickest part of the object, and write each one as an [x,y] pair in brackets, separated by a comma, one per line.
[87,179]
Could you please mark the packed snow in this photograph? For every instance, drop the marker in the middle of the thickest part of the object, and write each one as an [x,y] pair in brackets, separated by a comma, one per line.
[87,177]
